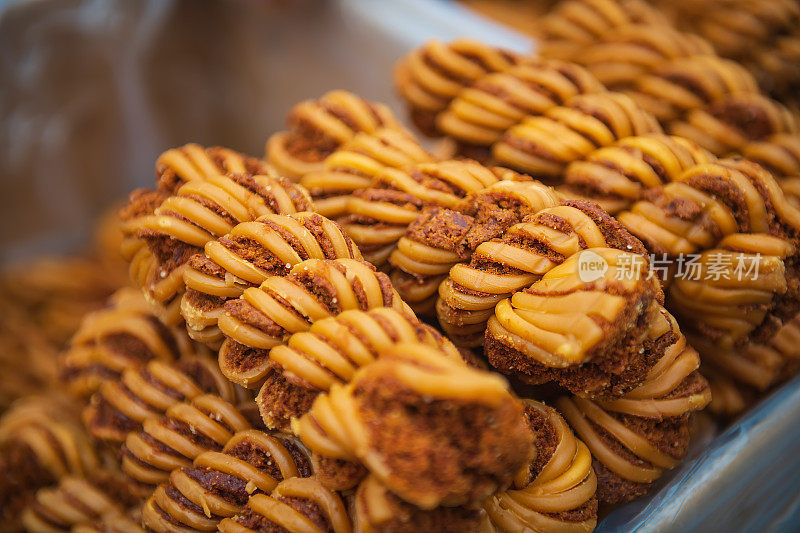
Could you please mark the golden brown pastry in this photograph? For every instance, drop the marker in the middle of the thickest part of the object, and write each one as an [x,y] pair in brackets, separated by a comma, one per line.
[528,250]
[582,324]
[252,252]
[356,163]
[780,154]
[266,316]
[636,437]
[318,127]
[544,145]
[296,504]
[331,352]
[378,217]
[429,77]
[555,491]
[218,483]
[185,431]
[433,430]
[112,522]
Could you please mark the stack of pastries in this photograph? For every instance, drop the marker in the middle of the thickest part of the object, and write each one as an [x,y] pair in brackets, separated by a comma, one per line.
[357,334]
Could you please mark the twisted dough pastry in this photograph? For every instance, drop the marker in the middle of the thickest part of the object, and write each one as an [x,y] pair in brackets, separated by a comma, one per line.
[780,154]
[268,246]
[354,166]
[543,146]
[266,316]
[429,77]
[125,335]
[616,176]
[636,437]
[300,505]
[500,267]
[120,406]
[441,238]
[218,484]
[581,325]
[199,212]
[113,522]
[318,127]
[556,491]
[495,102]
[378,216]
[331,352]
[411,418]
[174,440]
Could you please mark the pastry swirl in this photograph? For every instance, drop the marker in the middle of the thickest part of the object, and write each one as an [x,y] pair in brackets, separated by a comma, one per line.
[355,165]
[528,250]
[318,127]
[253,251]
[331,352]
[185,431]
[429,77]
[405,417]
[218,484]
[780,154]
[314,289]
[296,504]
[495,102]
[544,145]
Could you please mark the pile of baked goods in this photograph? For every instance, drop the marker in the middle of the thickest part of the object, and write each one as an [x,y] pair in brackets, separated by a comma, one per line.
[358,334]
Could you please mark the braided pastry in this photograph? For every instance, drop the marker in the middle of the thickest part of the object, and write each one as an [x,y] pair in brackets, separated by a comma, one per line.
[556,491]
[268,246]
[218,484]
[483,111]
[174,440]
[197,213]
[113,522]
[330,352]
[411,418]
[581,325]
[500,267]
[317,128]
[543,146]
[780,154]
[354,166]
[296,504]
[635,438]
[687,83]
[314,289]
[120,406]
[429,77]
[378,216]
[441,238]
[616,176]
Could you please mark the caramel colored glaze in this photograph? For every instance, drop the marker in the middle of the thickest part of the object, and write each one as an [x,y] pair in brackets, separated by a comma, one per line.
[780,154]
[555,491]
[729,398]
[585,335]
[616,176]
[299,505]
[252,252]
[330,353]
[411,419]
[199,212]
[314,289]
[184,432]
[379,216]
[683,84]
[219,483]
[441,238]
[431,76]
[319,127]
[729,124]
[112,522]
[124,335]
[120,406]
[635,438]
[544,145]
[573,24]
[357,163]
[495,102]
[528,250]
